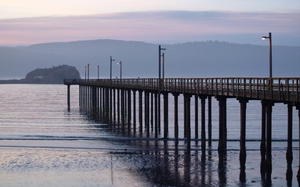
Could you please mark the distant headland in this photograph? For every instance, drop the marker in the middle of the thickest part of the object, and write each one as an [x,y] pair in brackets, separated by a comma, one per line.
[54,75]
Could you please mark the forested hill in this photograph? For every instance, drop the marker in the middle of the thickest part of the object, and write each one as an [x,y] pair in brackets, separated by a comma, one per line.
[139,59]
[54,75]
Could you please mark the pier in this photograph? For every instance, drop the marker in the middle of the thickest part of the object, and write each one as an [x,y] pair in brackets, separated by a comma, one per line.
[123,103]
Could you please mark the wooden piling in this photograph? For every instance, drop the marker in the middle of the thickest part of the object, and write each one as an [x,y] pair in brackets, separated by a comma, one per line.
[114,107]
[222,125]
[203,131]
[243,103]
[123,110]
[263,139]
[166,115]
[134,111]
[176,117]
[68,95]
[151,111]
[298,173]
[129,110]
[118,107]
[106,106]
[156,116]
[269,143]
[209,124]
[196,117]
[187,120]
[102,105]
[147,113]
[289,152]
[110,106]
[141,110]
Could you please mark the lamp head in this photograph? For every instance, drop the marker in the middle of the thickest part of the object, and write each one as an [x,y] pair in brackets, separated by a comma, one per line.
[264,37]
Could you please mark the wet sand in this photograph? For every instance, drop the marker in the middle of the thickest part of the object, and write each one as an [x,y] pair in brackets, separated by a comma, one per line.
[136,167]
[59,167]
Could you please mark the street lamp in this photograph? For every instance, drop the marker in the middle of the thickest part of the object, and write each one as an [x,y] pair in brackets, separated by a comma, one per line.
[270,52]
[111,60]
[159,83]
[98,70]
[163,65]
[84,73]
[159,63]
[120,63]
[110,91]
[88,68]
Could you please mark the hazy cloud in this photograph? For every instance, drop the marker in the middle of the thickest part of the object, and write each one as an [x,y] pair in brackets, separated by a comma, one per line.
[160,26]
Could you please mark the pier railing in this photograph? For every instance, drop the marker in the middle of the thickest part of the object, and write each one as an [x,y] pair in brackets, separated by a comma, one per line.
[277,89]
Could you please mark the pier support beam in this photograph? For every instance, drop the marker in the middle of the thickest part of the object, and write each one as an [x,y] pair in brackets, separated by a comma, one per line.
[141,110]
[203,137]
[243,103]
[222,125]
[110,106]
[176,117]
[298,108]
[209,121]
[123,110]
[102,104]
[196,118]
[68,96]
[114,107]
[93,101]
[263,139]
[289,152]
[187,119]
[134,111]
[156,114]
[106,112]
[269,105]
[166,114]
[147,113]
[118,107]
[151,111]
[128,110]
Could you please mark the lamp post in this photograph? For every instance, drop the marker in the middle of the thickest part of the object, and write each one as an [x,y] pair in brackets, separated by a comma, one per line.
[98,70]
[120,63]
[110,92]
[163,65]
[88,70]
[270,52]
[84,73]
[110,74]
[159,64]
[159,84]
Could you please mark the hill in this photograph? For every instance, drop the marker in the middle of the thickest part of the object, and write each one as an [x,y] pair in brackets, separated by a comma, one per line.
[54,75]
[139,59]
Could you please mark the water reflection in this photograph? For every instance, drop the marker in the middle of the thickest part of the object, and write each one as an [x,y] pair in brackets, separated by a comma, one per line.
[165,164]
[222,169]
[289,173]
[170,163]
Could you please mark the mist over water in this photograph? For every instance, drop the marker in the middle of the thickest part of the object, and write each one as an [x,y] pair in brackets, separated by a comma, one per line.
[42,144]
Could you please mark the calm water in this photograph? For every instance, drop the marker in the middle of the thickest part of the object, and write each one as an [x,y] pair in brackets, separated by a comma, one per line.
[42,144]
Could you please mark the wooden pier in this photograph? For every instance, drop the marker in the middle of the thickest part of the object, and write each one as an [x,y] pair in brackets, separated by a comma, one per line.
[110,101]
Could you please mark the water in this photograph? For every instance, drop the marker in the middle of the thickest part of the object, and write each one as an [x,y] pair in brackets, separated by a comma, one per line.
[42,144]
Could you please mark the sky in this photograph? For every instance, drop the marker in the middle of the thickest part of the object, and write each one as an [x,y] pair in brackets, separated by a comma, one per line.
[169,21]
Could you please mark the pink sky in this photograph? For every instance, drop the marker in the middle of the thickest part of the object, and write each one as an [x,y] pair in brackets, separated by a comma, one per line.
[153,26]
[169,21]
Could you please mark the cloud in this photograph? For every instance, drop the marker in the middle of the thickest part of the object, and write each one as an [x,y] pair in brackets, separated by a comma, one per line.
[163,26]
